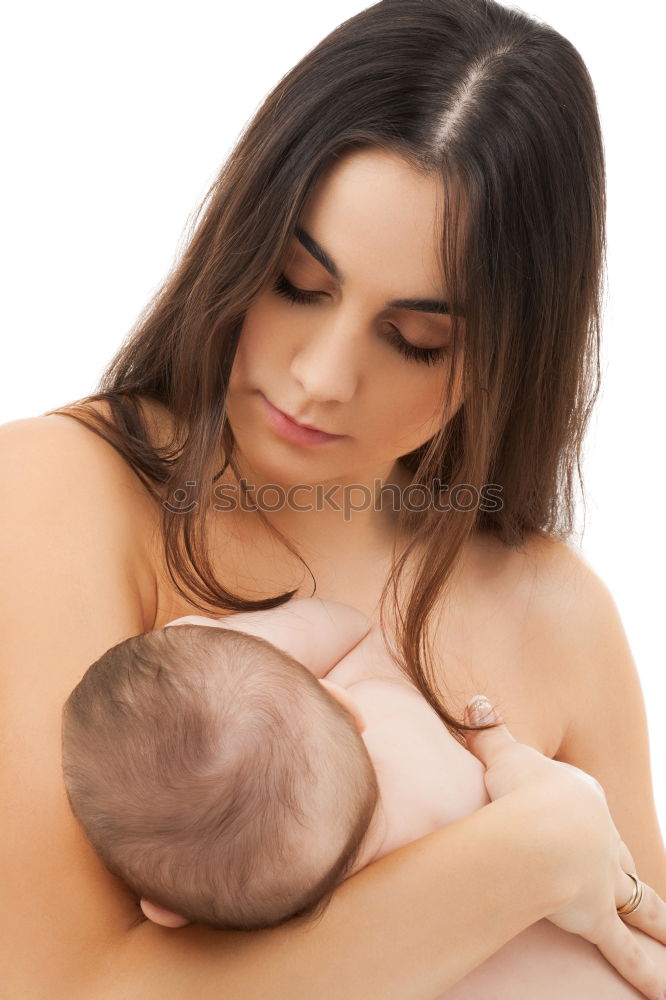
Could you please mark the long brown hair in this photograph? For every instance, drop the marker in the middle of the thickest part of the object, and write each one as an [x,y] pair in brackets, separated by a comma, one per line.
[502,108]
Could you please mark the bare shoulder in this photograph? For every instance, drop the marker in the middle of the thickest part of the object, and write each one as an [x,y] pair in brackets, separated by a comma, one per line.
[76,526]
[546,580]
[61,441]
[563,592]
[70,467]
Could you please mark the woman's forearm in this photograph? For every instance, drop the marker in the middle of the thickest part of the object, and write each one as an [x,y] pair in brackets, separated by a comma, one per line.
[405,928]
[546,962]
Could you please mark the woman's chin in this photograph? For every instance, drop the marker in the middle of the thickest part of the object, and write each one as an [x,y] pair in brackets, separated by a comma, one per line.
[270,465]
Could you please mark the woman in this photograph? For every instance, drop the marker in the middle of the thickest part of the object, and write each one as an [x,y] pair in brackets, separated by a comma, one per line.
[404,251]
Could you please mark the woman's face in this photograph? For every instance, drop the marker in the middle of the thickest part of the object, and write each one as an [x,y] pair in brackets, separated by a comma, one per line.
[350,360]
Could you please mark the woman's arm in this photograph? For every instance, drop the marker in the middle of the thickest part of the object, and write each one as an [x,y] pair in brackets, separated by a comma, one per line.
[546,963]
[74,581]
[70,587]
[408,926]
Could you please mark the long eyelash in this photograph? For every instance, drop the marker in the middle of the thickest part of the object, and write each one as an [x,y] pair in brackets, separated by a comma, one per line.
[428,355]
[425,355]
[284,287]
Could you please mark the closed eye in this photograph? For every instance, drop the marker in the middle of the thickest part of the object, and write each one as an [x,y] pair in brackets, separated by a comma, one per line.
[425,355]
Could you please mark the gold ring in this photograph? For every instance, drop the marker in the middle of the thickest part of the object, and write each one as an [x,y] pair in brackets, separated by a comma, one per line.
[635,899]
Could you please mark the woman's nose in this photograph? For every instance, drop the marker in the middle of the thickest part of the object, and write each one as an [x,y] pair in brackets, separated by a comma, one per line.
[328,364]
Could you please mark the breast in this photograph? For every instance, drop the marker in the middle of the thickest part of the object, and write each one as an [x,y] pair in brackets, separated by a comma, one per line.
[477,650]
[495,635]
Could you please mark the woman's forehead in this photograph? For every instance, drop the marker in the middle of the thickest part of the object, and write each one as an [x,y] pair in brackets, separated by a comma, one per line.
[379,220]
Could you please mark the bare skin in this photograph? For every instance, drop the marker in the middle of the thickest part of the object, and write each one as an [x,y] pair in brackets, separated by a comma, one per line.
[100,914]
[485,650]
[516,627]
[543,961]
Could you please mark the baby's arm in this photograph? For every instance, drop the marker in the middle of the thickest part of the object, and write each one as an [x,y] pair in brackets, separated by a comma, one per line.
[315,632]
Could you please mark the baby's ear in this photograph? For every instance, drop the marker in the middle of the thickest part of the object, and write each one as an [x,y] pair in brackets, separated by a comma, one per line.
[158,915]
[344,697]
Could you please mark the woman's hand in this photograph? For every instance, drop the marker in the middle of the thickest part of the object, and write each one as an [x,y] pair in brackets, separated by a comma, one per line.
[592,857]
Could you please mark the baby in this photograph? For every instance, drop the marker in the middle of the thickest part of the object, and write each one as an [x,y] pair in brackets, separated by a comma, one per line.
[233,771]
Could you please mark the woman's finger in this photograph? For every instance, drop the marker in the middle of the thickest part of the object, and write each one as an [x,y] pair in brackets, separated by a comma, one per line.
[619,947]
[649,916]
[627,862]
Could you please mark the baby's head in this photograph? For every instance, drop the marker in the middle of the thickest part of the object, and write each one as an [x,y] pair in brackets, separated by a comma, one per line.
[217,776]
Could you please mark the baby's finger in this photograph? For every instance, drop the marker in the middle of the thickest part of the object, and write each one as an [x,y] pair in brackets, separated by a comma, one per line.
[485,744]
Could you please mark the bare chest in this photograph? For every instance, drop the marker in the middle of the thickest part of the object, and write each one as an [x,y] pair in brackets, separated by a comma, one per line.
[482,638]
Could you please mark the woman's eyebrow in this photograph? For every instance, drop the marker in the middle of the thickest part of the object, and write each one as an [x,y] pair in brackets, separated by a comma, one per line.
[327,262]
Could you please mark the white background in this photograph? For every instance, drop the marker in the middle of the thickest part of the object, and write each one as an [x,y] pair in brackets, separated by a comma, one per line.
[118,117]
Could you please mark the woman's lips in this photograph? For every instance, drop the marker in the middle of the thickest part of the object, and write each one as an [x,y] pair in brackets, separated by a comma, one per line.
[292,431]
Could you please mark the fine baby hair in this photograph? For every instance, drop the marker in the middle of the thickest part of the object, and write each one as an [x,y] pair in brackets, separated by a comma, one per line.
[216,776]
